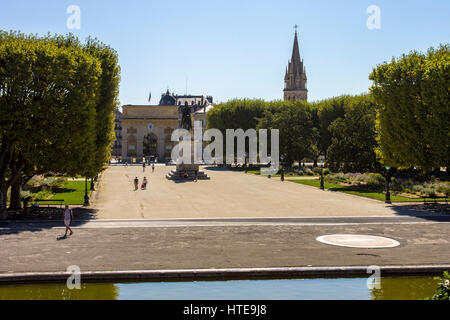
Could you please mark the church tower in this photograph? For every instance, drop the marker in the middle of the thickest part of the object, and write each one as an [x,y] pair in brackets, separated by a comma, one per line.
[295,78]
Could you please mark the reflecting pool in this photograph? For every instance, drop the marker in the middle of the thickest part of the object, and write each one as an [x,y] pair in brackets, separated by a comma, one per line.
[410,288]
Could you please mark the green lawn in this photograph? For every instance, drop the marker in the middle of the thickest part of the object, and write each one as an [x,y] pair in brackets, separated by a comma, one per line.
[72,193]
[358,191]
[257,172]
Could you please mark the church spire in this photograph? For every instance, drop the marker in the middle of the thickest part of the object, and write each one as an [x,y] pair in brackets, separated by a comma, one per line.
[295,79]
[296,51]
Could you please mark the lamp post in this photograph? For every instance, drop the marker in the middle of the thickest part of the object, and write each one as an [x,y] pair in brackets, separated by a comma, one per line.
[245,163]
[322,182]
[388,180]
[86,196]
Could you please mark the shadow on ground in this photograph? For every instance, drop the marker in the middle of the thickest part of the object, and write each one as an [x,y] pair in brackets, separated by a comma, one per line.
[184,181]
[433,212]
[227,168]
[43,218]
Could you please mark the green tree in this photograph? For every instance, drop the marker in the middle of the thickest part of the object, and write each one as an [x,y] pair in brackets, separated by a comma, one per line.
[294,119]
[48,105]
[413,120]
[353,137]
[328,110]
[107,102]
[236,114]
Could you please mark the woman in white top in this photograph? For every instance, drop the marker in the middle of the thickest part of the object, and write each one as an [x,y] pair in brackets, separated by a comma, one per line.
[144,183]
[68,218]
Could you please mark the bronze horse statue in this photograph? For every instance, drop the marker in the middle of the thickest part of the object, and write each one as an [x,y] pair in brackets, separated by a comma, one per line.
[186,122]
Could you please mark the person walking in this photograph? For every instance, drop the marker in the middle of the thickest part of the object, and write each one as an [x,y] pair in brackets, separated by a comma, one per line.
[196,176]
[68,218]
[136,183]
[153,168]
[144,183]
[143,167]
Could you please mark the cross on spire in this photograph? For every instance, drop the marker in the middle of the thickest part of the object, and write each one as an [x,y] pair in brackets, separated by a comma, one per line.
[296,27]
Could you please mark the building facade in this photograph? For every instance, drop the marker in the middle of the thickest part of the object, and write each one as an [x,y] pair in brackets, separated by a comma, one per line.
[295,79]
[117,146]
[147,129]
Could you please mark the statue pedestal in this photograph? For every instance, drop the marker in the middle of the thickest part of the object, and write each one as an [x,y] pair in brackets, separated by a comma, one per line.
[189,169]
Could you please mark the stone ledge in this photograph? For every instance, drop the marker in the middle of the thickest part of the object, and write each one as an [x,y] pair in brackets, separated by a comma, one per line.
[224,274]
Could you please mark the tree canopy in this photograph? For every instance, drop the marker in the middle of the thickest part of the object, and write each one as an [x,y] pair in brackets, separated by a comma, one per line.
[57,98]
[294,119]
[328,111]
[236,114]
[353,137]
[413,119]
[308,130]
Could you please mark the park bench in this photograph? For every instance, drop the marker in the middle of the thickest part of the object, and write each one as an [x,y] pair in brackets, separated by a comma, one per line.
[48,203]
[434,199]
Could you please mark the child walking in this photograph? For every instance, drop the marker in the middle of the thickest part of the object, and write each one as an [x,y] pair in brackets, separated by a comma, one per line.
[68,218]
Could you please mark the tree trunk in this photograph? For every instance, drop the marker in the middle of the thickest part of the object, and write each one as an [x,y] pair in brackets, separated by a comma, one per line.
[3,199]
[15,201]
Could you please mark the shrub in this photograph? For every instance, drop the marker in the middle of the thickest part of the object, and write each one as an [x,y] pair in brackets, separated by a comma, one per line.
[418,188]
[428,191]
[43,194]
[35,181]
[337,177]
[47,182]
[443,292]
[58,183]
[317,170]
[25,195]
[375,178]
[444,189]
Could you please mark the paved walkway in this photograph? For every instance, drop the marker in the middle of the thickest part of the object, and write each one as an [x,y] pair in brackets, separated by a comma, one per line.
[232,221]
[127,245]
[227,194]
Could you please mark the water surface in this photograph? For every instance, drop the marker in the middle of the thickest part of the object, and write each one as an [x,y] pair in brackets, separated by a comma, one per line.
[411,288]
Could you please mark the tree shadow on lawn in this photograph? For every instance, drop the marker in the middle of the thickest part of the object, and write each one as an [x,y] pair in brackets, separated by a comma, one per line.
[43,218]
[232,169]
[218,169]
[63,190]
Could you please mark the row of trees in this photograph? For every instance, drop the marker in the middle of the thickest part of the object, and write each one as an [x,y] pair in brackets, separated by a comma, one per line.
[342,128]
[403,122]
[57,102]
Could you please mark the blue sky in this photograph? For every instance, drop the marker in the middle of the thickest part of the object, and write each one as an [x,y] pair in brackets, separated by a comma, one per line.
[231,48]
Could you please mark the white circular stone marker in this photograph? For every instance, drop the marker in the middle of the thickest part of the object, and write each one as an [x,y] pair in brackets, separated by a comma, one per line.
[358,241]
